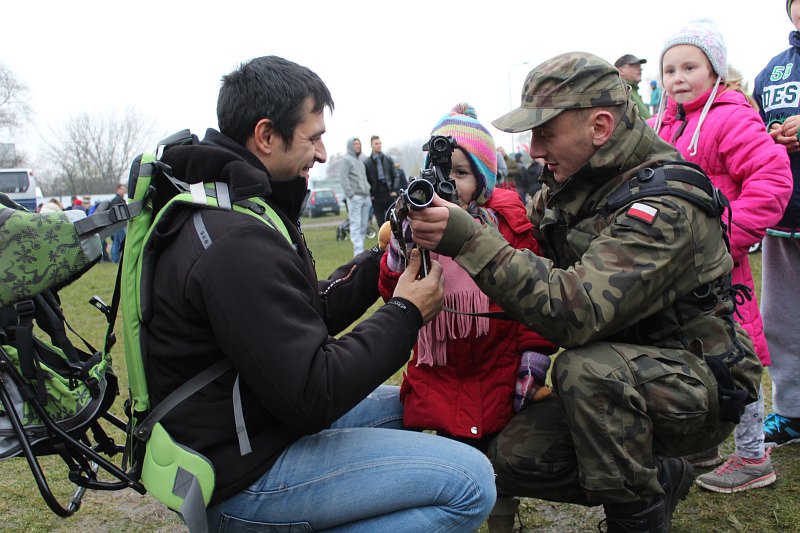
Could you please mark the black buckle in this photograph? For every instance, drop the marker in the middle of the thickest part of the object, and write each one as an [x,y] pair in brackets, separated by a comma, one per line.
[646,174]
[25,308]
[98,302]
[119,212]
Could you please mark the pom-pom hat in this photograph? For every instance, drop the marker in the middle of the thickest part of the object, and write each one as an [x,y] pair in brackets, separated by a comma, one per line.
[474,139]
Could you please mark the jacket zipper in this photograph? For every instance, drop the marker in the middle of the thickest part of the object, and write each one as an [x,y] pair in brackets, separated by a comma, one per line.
[681,115]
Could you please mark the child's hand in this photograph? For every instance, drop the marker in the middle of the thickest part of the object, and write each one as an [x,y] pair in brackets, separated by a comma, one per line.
[790,142]
[790,126]
[531,379]
[384,235]
[427,293]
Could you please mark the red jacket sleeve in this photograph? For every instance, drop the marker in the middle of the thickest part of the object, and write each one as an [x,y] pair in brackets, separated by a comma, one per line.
[387,280]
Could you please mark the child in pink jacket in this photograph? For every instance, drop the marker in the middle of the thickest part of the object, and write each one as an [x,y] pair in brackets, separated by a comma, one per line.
[713,124]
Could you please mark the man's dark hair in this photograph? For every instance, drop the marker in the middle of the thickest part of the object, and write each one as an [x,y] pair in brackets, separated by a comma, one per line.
[373,138]
[268,87]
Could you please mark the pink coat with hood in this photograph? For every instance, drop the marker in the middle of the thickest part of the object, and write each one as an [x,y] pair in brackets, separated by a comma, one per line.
[743,161]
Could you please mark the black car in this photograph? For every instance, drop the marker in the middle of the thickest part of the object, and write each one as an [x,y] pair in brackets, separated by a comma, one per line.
[322,202]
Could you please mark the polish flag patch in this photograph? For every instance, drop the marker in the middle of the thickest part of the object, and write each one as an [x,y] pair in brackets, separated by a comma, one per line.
[643,212]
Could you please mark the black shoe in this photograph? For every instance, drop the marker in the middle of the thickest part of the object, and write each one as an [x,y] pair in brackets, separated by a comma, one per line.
[675,476]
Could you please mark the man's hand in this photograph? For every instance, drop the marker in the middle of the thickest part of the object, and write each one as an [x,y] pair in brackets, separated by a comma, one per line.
[426,293]
[428,225]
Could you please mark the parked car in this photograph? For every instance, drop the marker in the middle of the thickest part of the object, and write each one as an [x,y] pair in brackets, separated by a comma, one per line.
[328,183]
[322,202]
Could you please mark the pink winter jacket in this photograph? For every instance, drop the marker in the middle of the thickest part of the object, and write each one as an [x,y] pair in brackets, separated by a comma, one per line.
[743,161]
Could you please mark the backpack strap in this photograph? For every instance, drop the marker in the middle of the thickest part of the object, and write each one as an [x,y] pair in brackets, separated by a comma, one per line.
[145,428]
[106,223]
[650,182]
[216,195]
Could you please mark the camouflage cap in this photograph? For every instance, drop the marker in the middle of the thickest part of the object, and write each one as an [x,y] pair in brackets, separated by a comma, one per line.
[574,80]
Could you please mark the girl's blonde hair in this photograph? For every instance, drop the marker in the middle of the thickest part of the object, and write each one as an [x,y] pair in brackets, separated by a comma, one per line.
[735,81]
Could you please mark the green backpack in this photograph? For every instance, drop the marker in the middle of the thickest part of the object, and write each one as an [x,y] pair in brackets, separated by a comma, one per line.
[177,476]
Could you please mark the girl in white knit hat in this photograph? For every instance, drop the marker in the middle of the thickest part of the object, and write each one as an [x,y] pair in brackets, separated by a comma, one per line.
[712,123]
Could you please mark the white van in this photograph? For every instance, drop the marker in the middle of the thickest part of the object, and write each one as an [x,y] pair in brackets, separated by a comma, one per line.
[20,185]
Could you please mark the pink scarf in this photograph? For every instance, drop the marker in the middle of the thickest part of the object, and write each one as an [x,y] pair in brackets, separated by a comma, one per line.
[462,294]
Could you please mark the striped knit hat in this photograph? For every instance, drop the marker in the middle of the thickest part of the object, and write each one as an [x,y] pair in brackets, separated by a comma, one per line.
[474,139]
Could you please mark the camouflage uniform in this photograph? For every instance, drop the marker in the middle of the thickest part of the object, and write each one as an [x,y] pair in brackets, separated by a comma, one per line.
[636,303]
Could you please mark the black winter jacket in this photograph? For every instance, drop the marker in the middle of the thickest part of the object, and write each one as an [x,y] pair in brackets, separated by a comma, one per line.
[379,190]
[251,298]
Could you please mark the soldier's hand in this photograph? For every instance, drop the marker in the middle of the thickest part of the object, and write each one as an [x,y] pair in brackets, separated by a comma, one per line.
[428,225]
[426,293]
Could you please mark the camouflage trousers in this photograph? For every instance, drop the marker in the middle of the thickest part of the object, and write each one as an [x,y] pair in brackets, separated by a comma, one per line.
[615,407]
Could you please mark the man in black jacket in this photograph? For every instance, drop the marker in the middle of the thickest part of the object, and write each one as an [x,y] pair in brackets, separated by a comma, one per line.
[310,402]
[380,174]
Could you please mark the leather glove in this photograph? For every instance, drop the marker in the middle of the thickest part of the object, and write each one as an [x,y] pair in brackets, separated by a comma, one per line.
[531,379]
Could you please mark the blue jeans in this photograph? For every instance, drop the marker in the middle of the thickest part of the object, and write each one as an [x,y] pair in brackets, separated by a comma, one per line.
[116,244]
[358,207]
[365,474]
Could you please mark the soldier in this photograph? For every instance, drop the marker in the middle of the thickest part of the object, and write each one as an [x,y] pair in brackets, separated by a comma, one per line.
[635,285]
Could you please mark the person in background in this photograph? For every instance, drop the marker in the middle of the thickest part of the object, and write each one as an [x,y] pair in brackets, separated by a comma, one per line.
[522,182]
[502,168]
[75,204]
[711,123]
[535,170]
[461,378]
[380,175]
[511,168]
[52,206]
[630,70]
[655,96]
[353,177]
[780,292]
[118,239]
[400,179]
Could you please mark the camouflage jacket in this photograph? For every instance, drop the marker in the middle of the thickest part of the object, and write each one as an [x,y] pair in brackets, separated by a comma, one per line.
[611,276]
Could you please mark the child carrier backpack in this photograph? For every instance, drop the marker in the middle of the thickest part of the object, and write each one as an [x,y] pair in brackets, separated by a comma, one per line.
[54,394]
[174,474]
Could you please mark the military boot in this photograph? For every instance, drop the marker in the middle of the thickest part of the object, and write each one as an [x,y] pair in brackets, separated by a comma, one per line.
[503,517]
[675,476]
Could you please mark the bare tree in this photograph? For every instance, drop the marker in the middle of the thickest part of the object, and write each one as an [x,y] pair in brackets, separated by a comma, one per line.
[14,108]
[93,154]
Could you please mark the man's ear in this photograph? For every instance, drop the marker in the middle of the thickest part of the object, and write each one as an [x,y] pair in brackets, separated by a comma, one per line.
[603,125]
[263,140]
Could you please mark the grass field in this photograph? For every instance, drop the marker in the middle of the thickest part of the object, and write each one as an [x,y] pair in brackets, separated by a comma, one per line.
[771,509]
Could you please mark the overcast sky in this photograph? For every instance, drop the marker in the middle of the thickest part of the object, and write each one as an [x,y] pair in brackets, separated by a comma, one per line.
[393,67]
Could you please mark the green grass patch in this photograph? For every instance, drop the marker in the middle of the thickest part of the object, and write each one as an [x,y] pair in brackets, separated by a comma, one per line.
[771,509]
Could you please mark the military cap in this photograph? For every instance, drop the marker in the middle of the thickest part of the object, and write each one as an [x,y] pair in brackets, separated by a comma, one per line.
[575,80]
[629,59]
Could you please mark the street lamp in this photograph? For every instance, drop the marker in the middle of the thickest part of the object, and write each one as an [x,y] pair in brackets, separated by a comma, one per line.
[359,126]
[511,106]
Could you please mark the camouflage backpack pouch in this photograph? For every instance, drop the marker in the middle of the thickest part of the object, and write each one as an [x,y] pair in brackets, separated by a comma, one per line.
[40,251]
